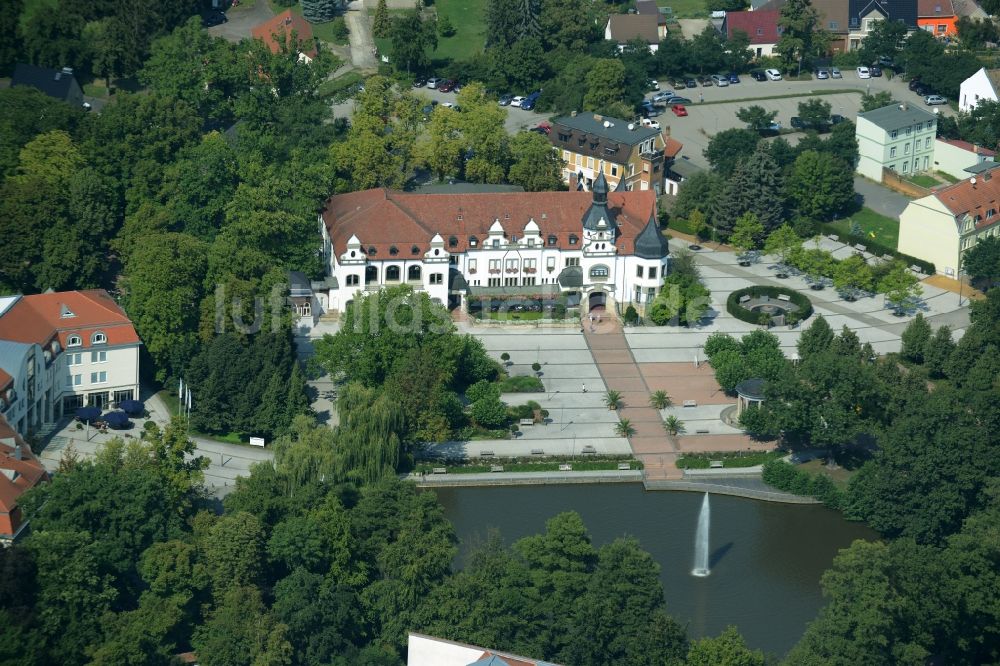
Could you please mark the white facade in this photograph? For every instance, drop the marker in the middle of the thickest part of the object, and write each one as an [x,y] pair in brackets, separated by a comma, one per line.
[954,157]
[514,254]
[977,88]
[899,138]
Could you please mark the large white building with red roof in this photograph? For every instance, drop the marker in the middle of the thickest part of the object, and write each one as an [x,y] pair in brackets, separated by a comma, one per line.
[20,471]
[63,350]
[596,247]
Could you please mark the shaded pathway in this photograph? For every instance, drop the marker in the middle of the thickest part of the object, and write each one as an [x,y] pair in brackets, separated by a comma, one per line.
[617,367]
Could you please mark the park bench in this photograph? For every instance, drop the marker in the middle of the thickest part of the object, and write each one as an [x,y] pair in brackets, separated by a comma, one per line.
[702,431]
[624,466]
[784,297]
[565,468]
[715,464]
[526,422]
[915,268]
[835,238]
[744,299]
[537,452]
[496,468]
[690,403]
[440,470]
[588,450]
[861,247]
[486,454]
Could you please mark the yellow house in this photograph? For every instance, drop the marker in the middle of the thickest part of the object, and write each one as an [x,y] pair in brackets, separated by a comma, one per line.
[941,226]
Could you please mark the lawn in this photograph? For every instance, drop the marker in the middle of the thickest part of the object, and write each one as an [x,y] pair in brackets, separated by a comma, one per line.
[331,87]
[470,31]
[686,8]
[885,229]
[839,476]
[923,180]
[946,176]
[729,460]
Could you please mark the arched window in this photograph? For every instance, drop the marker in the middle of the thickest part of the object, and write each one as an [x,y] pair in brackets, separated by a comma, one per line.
[599,271]
[353,280]
[73,341]
[413,273]
[392,273]
[98,338]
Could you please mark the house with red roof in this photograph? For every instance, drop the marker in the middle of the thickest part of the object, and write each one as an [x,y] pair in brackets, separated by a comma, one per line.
[20,471]
[64,350]
[287,30]
[592,248]
[961,159]
[423,650]
[760,26]
[948,222]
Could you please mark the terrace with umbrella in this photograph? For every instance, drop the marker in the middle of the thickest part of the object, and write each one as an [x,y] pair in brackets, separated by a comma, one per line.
[117,420]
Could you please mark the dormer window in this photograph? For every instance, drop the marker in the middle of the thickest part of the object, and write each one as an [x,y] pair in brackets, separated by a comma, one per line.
[552,239]
[452,241]
[990,213]
[393,250]
[473,241]
[414,250]
[98,338]
[73,341]
[506,216]
[573,239]
[496,242]
[66,313]
[372,251]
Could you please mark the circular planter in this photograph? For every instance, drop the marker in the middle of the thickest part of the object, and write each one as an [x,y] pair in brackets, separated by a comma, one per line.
[816,287]
[744,264]
[782,276]
[769,306]
[694,247]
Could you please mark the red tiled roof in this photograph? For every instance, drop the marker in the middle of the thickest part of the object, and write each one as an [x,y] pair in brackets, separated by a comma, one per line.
[383,219]
[935,8]
[970,147]
[761,26]
[4,379]
[37,318]
[28,472]
[672,147]
[274,30]
[966,197]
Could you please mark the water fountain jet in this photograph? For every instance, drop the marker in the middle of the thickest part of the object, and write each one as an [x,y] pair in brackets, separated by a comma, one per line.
[701,541]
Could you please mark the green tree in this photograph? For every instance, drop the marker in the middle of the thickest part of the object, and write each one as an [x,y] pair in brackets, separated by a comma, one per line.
[673,425]
[756,117]
[755,187]
[26,113]
[746,234]
[624,428]
[899,286]
[738,52]
[605,86]
[380,20]
[489,413]
[938,350]
[815,113]
[798,22]
[916,338]
[568,24]
[853,275]
[536,167]
[413,37]
[659,400]
[10,17]
[880,99]
[319,11]
[817,339]
[503,23]
[784,243]
[699,192]
[727,649]
[445,146]
[820,188]
[240,630]
[982,261]
[728,148]
[233,550]
[884,40]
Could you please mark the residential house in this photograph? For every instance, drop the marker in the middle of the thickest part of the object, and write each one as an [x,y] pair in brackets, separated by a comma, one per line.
[937,17]
[898,137]
[650,8]
[289,31]
[62,350]
[679,172]
[599,247]
[760,26]
[58,83]
[969,8]
[833,18]
[960,159]
[625,28]
[942,226]
[20,471]
[423,650]
[589,143]
[983,85]
[864,14]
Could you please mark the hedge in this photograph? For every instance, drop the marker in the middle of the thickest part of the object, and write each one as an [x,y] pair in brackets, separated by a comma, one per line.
[779,474]
[877,248]
[734,308]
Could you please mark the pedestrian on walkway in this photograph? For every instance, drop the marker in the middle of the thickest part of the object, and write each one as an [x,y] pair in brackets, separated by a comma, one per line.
[584,388]
[701,97]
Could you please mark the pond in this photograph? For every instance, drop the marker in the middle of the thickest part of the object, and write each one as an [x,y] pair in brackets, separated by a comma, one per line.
[766,558]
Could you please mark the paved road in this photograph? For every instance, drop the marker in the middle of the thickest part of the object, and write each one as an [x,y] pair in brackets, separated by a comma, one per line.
[880,199]
[242,19]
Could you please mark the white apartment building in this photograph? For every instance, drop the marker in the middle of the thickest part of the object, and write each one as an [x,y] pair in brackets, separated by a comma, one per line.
[898,137]
[63,350]
[601,247]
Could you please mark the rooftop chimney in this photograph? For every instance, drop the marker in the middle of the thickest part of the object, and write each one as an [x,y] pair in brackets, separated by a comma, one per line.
[986,176]
[598,117]
[17,452]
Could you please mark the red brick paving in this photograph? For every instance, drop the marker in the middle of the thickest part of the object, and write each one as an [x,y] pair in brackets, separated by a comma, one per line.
[682,381]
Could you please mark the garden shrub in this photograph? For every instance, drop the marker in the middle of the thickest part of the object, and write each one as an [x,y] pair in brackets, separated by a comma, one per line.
[521,384]
[783,476]
[482,389]
[631,316]
[734,308]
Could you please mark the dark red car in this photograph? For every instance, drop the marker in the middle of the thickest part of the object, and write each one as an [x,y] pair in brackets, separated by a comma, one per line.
[448,85]
[679,110]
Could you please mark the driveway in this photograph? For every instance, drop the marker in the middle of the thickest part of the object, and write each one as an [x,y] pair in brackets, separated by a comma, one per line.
[880,199]
[362,43]
[241,19]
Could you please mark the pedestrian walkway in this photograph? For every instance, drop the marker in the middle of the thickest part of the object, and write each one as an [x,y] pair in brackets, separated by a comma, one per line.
[620,372]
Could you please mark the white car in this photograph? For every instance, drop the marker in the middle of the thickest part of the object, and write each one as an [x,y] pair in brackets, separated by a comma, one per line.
[448,105]
[647,122]
[864,73]
[434,82]
[517,101]
[822,74]
[772,74]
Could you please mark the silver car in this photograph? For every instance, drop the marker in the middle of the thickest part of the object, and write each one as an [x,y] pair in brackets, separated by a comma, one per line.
[931,100]
[720,80]
[835,73]
[822,74]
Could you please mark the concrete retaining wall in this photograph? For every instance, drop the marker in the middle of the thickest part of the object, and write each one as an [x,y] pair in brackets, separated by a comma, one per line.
[525,478]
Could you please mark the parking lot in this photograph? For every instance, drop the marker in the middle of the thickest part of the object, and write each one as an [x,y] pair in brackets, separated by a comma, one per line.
[715,114]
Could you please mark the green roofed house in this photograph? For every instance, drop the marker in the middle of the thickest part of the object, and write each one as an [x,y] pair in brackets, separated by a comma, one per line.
[898,137]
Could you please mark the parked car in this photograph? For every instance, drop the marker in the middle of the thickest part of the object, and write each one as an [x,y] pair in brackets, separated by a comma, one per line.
[720,80]
[772,74]
[429,109]
[661,97]
[505,100]
[539,130]
[676,100]
[652,124]
[864,73]
[705,80]
[758,75]
[679,110]
[875,70]
[448,105]
[836,119]
[931,100]
[653,84]
[529,102]
[213,18]
[835,73]
[448,85]
[434,82]
[733,77]
[822,74]
[419,83]
[923,90]
[770,130]
[797,123]
[678,84]
[691,83]
[914,83]
[517,101]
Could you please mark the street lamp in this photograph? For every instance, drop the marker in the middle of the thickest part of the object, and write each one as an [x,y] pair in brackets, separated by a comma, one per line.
[960,284]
